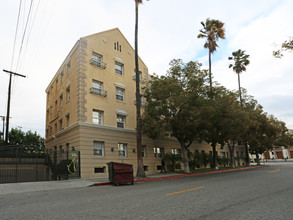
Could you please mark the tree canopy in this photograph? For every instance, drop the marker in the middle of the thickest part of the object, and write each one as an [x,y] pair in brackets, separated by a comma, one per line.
[18,137]
[286,46]
[173,104]
[179,105]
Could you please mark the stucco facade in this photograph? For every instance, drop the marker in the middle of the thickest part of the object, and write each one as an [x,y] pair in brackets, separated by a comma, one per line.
[91,107]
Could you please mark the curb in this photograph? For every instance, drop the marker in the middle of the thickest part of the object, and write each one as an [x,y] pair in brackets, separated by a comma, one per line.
[183,175]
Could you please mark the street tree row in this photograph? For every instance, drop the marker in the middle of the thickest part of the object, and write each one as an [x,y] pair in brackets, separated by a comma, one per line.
[180,104]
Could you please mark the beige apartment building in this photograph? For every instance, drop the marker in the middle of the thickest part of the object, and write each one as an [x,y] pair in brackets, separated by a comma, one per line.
[91,107]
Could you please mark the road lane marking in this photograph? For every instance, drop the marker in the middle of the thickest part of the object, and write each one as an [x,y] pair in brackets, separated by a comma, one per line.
[275,171]
[185,190]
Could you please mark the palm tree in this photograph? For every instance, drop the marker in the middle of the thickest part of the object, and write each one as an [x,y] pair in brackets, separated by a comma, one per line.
[140,170]
[240,63]
[212,30]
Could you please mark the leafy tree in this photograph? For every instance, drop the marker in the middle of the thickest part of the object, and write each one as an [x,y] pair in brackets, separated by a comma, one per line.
[140,169]
[278,134]
[233,122]
[212,30]
[240,63]
[286,46]
[263,132]
[250,106]
[266,132]
[223,119]
[18,137]
[174,103]
[31,138]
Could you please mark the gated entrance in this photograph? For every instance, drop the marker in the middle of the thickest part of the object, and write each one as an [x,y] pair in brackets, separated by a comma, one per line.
[34,163]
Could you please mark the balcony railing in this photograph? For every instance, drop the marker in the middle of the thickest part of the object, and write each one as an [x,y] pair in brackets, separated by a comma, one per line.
[98,63]
[98,92]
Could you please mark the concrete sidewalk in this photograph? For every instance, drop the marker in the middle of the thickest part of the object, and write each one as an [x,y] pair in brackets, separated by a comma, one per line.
[10,188]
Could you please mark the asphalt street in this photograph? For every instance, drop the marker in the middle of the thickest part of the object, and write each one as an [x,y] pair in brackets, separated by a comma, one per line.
[261,193]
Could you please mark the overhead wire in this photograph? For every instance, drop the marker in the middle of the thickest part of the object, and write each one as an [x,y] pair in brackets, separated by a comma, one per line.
[30,27]
[18,16]
[15,37]
[25,22]
[28,17]
[20,57]
[48,11]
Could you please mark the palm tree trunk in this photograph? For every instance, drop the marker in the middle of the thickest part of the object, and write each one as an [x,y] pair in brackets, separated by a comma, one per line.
[239,88]
[140,170]
[210,72]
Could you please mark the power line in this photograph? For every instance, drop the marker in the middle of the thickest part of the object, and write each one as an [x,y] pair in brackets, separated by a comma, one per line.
[24,34]
[15,34]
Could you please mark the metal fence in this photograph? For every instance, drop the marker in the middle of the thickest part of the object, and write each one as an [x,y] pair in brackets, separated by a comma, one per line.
[63,164]
[33,163]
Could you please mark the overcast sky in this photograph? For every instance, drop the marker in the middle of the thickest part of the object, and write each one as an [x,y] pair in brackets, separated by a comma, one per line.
[168,29]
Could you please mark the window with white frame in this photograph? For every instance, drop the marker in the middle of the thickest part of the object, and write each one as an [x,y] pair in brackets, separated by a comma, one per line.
[120,94]
[176,151]
[119,68]
[99,148]
[122,149]
[97,87]
[144,153]
[68,93]
[97,117]
[97,59]
[158,152]
[120,121]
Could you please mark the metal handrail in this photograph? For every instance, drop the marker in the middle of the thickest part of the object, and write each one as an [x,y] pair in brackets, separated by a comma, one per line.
[98,63]
[98,92]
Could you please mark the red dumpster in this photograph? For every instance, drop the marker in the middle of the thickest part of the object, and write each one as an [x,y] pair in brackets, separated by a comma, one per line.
[120,173]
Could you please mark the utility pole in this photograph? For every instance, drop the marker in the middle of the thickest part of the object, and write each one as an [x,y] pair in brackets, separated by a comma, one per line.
[3,119]
[8,103]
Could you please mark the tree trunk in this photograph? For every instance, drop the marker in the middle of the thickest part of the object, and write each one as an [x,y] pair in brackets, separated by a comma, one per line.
[257,158]
[247,154]
[185,158]
[210,72]
[214,165]
[140,170]
[239,89]
[231,151]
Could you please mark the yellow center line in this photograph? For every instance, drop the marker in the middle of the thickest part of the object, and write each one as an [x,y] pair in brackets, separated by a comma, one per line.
[275,171]
[185,190]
